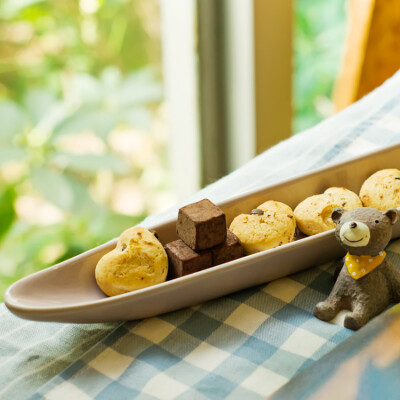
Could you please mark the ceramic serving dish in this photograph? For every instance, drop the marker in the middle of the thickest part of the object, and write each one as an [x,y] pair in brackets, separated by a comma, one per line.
[68,292]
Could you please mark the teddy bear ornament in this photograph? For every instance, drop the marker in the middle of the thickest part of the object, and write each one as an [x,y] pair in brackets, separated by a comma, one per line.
[368,282]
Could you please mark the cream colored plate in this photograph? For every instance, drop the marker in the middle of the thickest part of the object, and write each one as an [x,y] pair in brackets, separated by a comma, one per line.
[67,292]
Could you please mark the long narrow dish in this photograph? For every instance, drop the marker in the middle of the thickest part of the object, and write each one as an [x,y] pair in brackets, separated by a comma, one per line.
[67,292]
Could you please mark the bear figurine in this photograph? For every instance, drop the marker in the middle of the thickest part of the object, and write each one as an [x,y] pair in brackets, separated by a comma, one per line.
[368,282]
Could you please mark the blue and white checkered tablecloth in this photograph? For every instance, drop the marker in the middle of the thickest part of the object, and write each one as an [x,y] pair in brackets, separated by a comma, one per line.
[242,346]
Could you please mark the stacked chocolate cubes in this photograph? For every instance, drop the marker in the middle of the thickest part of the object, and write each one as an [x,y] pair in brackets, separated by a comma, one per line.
[204,240]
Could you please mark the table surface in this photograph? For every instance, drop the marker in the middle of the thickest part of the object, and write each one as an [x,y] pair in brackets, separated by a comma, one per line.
[245,345]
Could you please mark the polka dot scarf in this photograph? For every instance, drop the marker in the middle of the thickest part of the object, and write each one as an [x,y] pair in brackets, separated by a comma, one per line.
[359,266]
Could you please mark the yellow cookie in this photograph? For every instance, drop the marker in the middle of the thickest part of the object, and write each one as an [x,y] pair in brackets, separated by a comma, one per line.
[382,190]
[313,215]
[258,232]
[138,261]
[344,197]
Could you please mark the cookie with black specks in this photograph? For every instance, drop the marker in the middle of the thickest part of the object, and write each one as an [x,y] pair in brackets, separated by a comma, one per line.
[138,261]
[382,190]
[270,225]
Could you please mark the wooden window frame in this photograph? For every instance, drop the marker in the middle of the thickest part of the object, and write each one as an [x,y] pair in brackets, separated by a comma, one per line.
[228,84]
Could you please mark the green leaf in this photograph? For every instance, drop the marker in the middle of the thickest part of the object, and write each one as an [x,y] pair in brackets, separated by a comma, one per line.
[90,163]
[97,121]
[138,118]
[11,154]
[72,251]
[111,78]
[140,88]
[38,103]
[11,8]
[33,240]
[108,225]
[7,211]
[319,33]
[83,204]
[86,88]
[12,120]
[54,187]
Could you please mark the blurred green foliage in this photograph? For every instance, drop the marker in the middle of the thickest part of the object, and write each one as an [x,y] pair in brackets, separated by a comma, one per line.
[66,68]
[319,33]
[94,67]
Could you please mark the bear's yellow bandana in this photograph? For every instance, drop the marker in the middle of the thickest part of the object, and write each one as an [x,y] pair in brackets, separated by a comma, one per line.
[359,266]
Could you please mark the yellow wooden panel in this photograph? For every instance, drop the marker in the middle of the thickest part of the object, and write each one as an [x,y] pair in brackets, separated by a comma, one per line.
[347,84]
[382,56]
[372,52]
[273,21]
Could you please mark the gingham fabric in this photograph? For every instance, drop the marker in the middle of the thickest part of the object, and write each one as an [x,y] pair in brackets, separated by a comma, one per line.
[242,346]
[366,366]
[31,353]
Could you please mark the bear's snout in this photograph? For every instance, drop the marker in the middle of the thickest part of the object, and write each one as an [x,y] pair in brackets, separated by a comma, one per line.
[355,234]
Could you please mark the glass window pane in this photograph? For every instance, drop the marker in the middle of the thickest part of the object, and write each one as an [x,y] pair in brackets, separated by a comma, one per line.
[319,33]
[83,136]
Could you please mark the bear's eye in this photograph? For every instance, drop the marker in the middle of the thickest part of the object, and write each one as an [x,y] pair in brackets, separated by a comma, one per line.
[376,221]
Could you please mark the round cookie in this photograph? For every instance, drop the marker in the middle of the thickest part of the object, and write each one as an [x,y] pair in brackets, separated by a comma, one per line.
[258,232]
[345,197]
[138,261]
[382,190]
[313,215]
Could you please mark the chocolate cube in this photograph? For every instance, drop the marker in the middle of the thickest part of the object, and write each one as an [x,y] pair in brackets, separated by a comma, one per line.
[182,260]
[201,225]
[230,250]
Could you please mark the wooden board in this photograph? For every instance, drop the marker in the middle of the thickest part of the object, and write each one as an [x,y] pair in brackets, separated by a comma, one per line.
[372,52]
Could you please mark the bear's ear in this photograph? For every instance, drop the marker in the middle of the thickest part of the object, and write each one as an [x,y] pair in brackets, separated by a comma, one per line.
[337,214]
[392,214]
